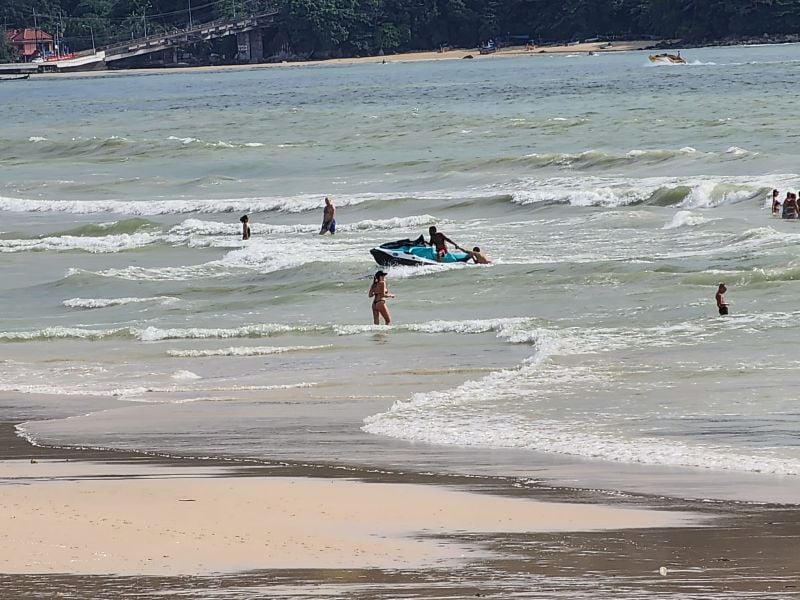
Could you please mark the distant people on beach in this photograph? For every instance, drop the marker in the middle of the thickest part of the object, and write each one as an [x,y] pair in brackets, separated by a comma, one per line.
[478,257]
[328,217]
[245,221]
[438,240]
[790,210]
[722,304]
[776,202]
[379,292]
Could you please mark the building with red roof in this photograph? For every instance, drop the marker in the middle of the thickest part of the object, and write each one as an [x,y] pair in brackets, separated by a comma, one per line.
[31,43]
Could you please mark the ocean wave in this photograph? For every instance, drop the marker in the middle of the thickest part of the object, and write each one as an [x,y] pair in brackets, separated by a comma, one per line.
[94,245]
[512,328]
[468,414]
[152,207]
[116,146]
[150,394]
[200,227]
[243,351]
[658,191]
[125,226]
[710,194]
[600,159]
[63,333]
[153,334]
[685,218]
[430,418]
[208,270]
[186,141]
[106,302]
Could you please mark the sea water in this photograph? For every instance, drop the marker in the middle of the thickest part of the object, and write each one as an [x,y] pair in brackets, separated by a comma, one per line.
[611,194]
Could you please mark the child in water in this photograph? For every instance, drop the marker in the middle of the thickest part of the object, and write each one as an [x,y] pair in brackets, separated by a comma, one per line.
[722,305]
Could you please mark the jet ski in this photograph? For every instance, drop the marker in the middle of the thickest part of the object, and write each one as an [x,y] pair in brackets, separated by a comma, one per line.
[412,253]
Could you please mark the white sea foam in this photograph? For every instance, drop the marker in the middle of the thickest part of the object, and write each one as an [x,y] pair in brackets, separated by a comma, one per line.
[709,194]
[184,375]
[685,218]
[500,411]
[102,244]
[152,334]
[150,394]
[736,151]
[432,418]
[149,207]
[208,270]
[37,138]
[201,227]
[53,333]
[105,302]
[244,351]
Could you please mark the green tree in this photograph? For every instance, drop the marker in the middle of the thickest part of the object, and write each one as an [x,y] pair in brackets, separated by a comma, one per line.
[7,53]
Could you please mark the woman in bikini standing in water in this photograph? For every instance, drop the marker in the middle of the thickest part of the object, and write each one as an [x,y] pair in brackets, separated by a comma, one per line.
[379,293]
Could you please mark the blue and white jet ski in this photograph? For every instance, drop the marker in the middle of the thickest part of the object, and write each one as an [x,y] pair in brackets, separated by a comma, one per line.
[412,253]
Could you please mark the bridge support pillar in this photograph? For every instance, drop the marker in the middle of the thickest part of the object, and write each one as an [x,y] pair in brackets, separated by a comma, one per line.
[251,46]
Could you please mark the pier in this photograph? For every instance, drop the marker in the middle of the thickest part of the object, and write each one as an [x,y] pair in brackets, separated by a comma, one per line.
[247,30]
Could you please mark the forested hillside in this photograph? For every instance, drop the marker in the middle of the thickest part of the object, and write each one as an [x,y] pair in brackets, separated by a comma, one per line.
[353,27]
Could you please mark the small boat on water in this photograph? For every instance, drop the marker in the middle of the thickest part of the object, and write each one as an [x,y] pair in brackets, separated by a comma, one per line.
[666,58]
[14,77]
[413,253]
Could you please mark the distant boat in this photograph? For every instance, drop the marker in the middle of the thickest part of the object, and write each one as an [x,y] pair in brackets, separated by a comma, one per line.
[670,59]
[14,78]
[488,48]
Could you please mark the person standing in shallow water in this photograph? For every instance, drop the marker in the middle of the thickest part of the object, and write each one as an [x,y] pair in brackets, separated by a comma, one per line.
[328,217]
[245,221]
[722,304]
[379,292]
[776,202]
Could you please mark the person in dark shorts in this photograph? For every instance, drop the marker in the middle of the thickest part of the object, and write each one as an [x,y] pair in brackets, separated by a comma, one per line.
[328,217]
[722,305]
[245,221]
[776,202]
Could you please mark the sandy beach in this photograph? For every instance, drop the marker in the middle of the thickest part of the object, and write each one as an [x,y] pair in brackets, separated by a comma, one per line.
[86,517]
[169,525]
[451,54]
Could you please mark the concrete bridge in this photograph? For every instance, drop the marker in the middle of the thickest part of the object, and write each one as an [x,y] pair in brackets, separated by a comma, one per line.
[247,30]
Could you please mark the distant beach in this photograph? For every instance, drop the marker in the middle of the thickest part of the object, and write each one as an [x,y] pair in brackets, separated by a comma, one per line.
[450,54]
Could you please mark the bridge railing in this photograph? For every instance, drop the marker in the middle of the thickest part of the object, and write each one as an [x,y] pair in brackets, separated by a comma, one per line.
[178,34]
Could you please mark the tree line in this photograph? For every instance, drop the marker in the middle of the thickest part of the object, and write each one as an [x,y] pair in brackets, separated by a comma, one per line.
[323,28]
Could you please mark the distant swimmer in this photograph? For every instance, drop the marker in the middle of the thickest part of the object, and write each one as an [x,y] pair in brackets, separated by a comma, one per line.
[379,292]
[245,221]
[478,257]
[722,304]
[328,217]
[776,202]
[438,240]
[789,206]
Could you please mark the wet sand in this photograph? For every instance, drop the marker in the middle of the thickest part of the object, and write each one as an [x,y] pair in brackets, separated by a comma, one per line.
[239,530]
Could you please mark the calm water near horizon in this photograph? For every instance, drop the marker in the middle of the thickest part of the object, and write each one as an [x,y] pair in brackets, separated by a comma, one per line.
[613,196]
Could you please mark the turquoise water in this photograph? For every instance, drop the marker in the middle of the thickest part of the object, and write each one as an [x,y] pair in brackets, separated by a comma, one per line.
[612,195]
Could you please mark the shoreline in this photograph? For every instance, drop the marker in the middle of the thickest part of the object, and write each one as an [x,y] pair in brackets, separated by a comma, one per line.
[183,520]
[406,57]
